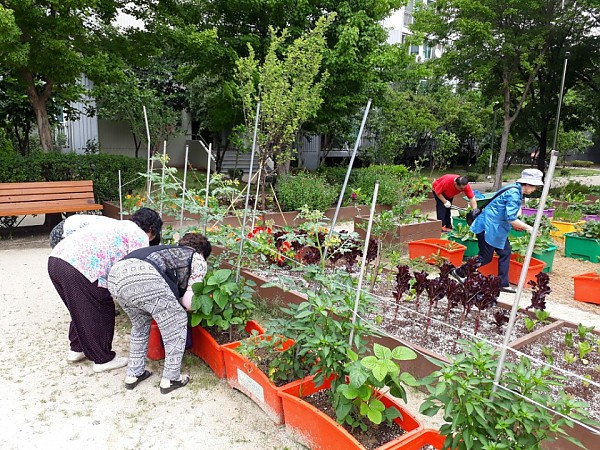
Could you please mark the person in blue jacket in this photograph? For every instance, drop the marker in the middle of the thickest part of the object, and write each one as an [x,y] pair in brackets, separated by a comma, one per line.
[495,221]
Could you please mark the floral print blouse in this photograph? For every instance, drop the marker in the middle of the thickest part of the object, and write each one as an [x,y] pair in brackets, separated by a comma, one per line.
[94,249]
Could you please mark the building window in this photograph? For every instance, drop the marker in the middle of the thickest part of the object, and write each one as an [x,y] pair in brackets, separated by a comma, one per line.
[427,52]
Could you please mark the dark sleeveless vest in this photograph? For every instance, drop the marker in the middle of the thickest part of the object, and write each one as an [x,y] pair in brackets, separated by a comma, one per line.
[173,262]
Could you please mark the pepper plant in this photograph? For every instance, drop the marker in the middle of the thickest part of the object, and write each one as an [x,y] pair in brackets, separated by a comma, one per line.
[358,402]
[515,417]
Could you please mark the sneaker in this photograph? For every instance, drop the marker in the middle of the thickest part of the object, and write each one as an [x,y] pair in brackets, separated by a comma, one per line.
[116,363]
[74,357]
[132,382]
[167,386]
[508,290]
[457,277]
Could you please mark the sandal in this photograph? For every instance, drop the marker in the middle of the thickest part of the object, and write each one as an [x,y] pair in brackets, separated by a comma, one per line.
[139,379]
[184,379]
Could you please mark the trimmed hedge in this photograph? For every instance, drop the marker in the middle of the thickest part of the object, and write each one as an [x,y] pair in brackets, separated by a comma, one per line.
[102,169]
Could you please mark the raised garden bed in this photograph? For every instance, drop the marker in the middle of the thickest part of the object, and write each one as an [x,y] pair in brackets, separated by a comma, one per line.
[403,233]
[562,352]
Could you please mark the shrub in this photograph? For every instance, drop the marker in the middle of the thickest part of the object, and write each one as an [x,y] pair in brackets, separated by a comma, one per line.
[472,177]
[102,169]
[296,191]
[580,163]
[482,163]
[5,143]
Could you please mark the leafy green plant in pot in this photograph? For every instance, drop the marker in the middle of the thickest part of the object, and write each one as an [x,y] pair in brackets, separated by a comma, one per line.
[511,418]
[590,230]
[358,402]
[220,301]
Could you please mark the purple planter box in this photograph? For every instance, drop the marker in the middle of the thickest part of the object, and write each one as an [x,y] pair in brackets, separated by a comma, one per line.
[533,211]
[591,217]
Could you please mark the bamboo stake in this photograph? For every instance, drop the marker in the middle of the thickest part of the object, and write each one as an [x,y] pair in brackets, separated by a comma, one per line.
[363,263]
[243,229]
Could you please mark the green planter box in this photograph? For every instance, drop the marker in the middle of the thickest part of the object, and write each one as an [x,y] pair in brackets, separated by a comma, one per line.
[456,221]
[472,245]
[516,233]
[547,256]
[582,248]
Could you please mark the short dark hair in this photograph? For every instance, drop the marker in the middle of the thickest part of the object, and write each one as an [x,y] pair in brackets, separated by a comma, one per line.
[198,242]
[149,221]
[461,181]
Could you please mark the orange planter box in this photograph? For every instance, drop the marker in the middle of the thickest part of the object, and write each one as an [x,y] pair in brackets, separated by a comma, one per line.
[243,375]
[324,433]
[156,349]
[210,351]
[587,287]
[432,248]
[424,437]
[514,269]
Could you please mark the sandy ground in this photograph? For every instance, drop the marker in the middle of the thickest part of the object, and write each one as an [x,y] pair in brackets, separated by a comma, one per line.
[49,402]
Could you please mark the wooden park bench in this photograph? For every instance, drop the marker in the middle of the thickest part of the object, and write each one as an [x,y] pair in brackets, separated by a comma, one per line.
[51,198]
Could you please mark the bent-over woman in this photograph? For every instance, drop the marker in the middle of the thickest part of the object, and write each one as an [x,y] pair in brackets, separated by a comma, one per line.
[156,283]
[78,267]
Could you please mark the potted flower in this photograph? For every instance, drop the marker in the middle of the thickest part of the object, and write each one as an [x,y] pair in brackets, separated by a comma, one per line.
[587,287]
[584,243]
[220,306]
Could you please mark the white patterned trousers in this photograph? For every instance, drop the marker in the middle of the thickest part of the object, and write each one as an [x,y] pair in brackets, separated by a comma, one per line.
[144,295]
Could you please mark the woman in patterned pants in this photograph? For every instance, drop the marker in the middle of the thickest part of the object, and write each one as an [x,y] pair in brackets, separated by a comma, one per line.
[156,283]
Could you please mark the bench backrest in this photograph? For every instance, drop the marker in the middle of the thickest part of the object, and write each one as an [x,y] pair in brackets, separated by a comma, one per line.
[46,197]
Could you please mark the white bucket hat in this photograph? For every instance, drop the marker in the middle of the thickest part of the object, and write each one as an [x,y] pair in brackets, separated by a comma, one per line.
[532,177]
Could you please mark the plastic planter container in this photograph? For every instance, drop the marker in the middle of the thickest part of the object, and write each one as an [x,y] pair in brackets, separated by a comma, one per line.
[208,349]
[472,246]
[324,433]
[425,437]
[587,287]
[432,248]
[533,211]
[563,228]
[546,256]
[582,248]
[515,268]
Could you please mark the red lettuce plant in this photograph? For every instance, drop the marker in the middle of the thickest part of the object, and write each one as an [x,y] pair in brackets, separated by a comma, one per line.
[421,281]
[539,291]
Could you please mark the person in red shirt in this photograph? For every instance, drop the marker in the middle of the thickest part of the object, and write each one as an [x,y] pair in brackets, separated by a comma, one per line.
[444,190]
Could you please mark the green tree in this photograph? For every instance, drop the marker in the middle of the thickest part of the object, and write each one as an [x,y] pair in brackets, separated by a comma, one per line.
[50,44]
[125,101]
[497,45]
[288,86]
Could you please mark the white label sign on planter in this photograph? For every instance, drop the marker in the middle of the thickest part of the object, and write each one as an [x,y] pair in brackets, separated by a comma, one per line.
[252,386]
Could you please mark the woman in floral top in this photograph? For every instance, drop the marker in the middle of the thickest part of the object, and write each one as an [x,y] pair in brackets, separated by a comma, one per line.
[78,267]
[156,283]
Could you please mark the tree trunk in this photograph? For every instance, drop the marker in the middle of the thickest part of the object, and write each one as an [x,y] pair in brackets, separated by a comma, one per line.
[39,103]
[543,146]
[502,153]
